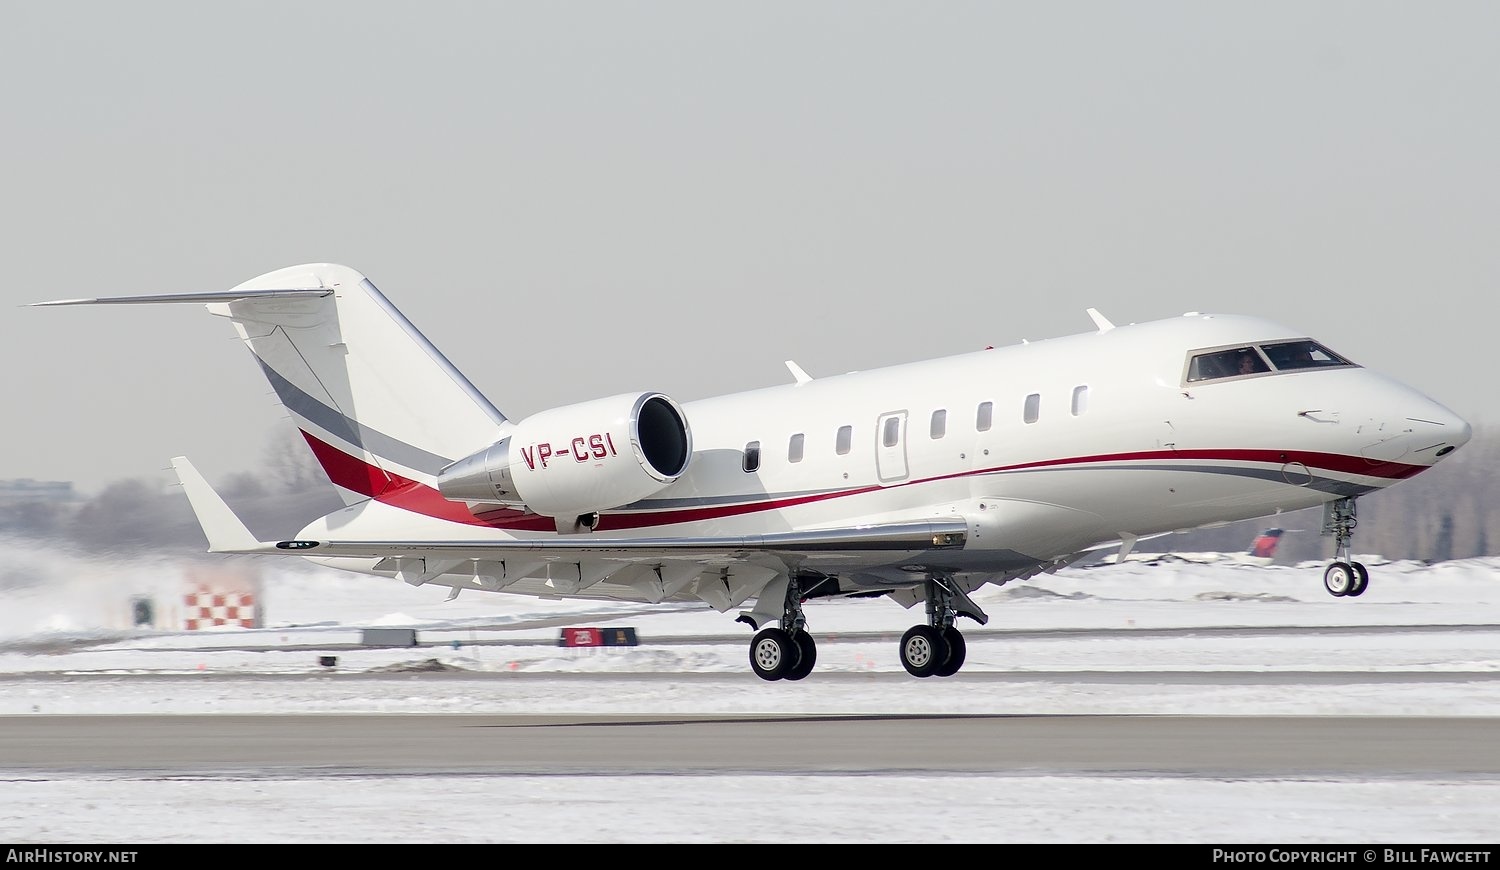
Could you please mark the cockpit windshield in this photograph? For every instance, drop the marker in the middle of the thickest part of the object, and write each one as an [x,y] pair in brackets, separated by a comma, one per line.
[1303,354]
[1281,356]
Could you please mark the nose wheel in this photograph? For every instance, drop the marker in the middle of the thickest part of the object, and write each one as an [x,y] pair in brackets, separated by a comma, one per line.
[1345,577]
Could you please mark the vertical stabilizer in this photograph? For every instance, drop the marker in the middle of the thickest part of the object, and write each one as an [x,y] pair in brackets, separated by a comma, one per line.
[378,403]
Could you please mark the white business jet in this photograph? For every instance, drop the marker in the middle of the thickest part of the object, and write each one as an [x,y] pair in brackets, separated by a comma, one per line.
[920,482]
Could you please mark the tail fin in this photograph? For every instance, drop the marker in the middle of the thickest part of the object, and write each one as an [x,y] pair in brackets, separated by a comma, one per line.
[378,404]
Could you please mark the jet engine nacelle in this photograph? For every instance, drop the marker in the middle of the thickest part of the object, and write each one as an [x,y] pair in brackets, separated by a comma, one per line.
[578,459]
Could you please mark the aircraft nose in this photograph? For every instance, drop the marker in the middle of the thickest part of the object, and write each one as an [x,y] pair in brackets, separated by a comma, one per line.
[1405,426]
[1438,429]
[1459,432]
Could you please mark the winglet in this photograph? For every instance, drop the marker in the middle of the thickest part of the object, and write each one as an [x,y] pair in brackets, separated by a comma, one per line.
[1100,320]
[797,372]
[225,532]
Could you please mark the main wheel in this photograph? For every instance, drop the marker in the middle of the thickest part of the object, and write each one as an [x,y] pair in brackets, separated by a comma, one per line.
[1339,579]
[773,653]
[809,651]
[1361,580]
[957,650]
[923,650]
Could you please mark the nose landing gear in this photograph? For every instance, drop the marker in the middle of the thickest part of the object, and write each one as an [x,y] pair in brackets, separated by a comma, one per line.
[1344,577]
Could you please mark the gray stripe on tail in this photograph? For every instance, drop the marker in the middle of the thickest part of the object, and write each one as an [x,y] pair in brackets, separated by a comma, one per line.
[331,420]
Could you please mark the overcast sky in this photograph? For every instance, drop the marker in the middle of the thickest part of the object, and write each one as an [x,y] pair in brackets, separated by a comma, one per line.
[717,187]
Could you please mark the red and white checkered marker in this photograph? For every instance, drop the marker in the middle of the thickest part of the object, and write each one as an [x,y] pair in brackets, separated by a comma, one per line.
[208,607]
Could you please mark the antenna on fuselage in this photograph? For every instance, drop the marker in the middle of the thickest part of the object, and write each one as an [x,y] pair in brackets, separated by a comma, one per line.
[798,374]
[1100,320]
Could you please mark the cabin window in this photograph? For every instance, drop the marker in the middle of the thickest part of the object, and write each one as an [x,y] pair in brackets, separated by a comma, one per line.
[794,448]
[1033,407]
[985,416]
[1231,363]
[890,434]
[939,424]
[752,456]
[1080,400]
[1304,354]
[845,439]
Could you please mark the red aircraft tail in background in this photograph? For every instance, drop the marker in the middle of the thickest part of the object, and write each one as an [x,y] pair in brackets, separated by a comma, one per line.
[1265,544]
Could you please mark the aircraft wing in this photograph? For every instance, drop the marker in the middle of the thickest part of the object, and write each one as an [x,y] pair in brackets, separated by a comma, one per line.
[918,536]
[227,534]
[721,570]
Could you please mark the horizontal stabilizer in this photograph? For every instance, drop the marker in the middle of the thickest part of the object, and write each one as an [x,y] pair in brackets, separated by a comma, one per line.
[375,401]
[218,296]
[225,532]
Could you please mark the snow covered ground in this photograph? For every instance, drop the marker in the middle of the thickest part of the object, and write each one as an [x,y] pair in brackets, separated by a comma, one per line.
[67,646]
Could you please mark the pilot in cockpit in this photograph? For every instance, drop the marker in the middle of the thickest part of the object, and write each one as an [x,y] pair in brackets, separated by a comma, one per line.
[1250,363]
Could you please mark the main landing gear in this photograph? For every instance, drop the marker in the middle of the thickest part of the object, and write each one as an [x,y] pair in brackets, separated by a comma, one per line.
[785,651]
[937,649]
[1344,577]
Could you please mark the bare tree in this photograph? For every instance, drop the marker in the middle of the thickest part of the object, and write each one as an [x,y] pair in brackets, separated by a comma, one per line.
[291,466]
[130,515]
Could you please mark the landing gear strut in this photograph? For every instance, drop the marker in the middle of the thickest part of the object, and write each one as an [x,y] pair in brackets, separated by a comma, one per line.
[785,651]
[1344,577]
[937,649]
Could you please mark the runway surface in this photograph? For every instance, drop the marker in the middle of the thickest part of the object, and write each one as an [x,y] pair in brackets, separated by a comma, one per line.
[1246,709]
[300,746]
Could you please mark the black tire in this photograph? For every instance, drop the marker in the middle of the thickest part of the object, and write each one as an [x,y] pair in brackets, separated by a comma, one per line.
[922,650]
[809,657]
[1338,579]
[957,651]
[1361,580]
[773,653]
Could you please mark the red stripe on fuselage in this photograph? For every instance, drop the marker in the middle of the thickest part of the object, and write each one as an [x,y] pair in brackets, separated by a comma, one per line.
[359,476]
[1393,471]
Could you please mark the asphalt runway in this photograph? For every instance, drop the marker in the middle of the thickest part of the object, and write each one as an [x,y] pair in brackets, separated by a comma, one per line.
[304,746]
[294,745]
[972,635]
